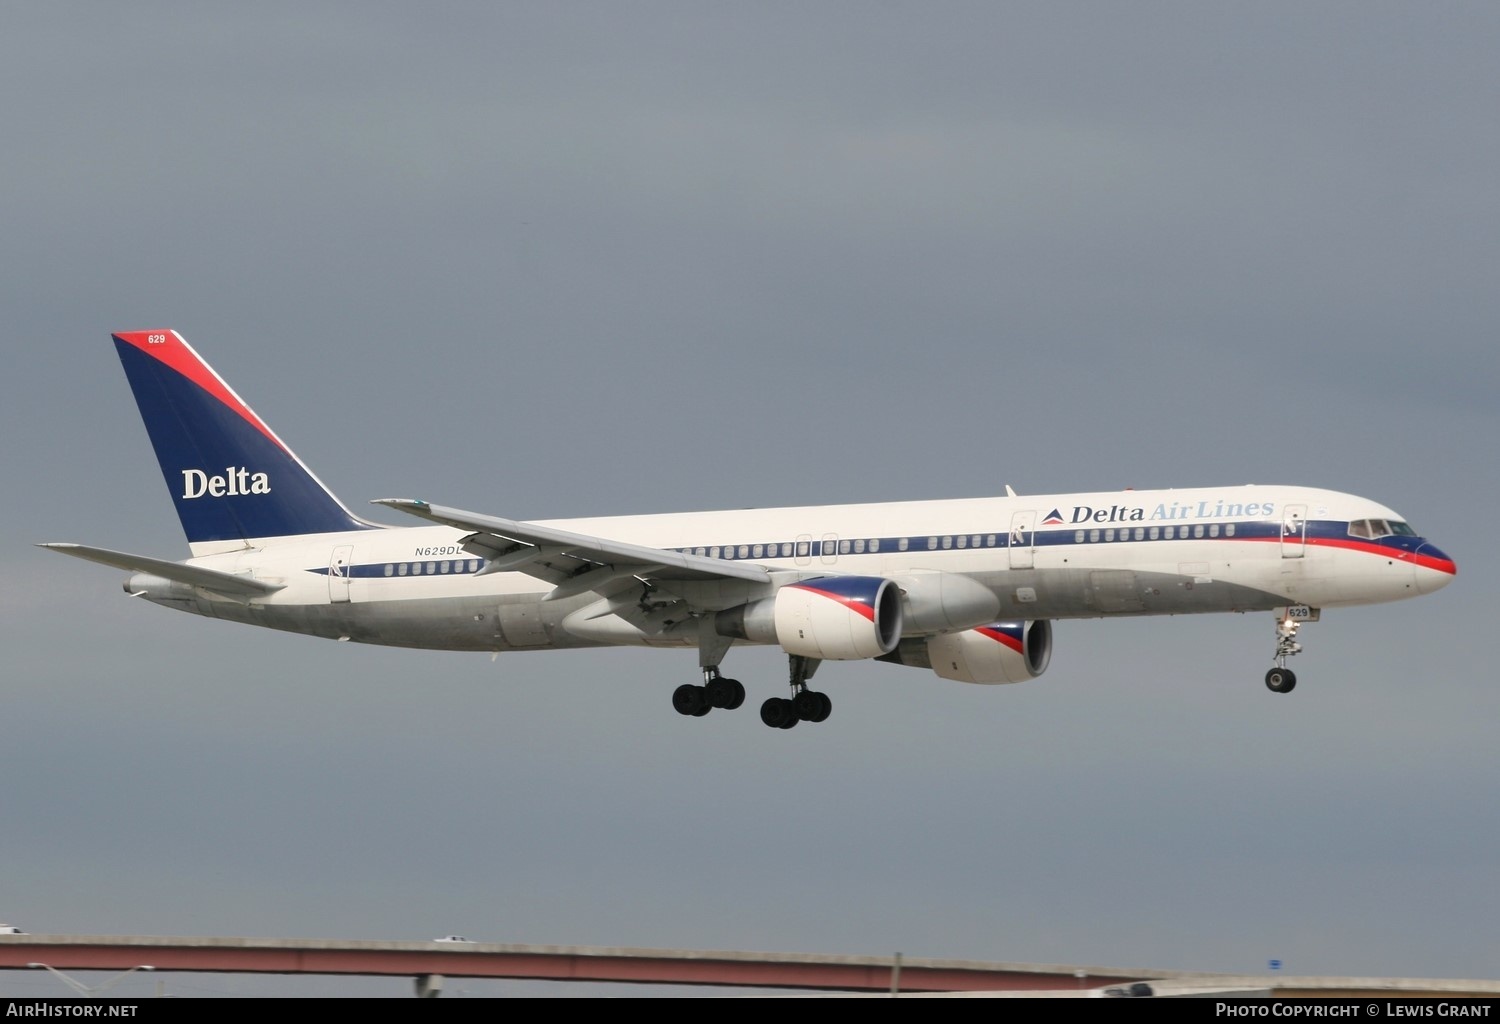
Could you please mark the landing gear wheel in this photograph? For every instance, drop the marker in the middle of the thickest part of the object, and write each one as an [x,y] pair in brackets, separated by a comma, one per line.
[807,705]
[825,708]
[691,700]
[1281,680]
[739,695]
[812,706]
[725,693]
[777,712]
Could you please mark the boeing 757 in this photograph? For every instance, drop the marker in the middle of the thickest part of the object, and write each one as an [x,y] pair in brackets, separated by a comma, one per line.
[967,588]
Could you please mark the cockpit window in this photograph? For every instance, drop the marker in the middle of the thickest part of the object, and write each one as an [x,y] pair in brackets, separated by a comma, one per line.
[1374,529]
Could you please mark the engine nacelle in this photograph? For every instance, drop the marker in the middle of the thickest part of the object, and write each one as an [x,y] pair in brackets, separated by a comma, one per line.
[935,602]
[1002,652]
[835,618]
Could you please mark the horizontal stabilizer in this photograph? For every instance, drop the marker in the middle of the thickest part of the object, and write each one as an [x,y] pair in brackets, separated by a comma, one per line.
[225,583]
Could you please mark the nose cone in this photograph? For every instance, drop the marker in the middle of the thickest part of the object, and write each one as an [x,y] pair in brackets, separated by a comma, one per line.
[1434,569]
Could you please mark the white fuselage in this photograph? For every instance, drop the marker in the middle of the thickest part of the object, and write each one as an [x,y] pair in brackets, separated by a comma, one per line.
[1245,548]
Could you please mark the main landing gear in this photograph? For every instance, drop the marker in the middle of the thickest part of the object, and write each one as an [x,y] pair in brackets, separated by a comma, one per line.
[716,692]
[1282,679]
[779,712]
[804,705]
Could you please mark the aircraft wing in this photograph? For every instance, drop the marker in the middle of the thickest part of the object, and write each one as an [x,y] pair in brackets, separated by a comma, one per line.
[574,562]
[228,584]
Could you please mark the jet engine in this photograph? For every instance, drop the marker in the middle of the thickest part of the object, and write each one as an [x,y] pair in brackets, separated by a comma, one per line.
[834,618]
[1001,652]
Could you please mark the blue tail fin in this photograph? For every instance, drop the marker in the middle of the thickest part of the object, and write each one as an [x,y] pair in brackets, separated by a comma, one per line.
[230,476]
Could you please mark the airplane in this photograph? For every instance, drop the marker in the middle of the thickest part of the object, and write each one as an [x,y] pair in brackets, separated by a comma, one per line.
[966,588]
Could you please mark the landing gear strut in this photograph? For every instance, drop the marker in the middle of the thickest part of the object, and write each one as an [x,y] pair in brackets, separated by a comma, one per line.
[1281,679]
[804,705]
[717,691]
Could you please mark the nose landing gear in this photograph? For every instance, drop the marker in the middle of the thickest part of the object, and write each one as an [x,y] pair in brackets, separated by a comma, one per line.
[1282,679]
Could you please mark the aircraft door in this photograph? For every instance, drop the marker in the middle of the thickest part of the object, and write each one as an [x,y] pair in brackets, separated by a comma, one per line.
[1022,541]
[1293,531]
[339,564]
[804,549]
[830,548]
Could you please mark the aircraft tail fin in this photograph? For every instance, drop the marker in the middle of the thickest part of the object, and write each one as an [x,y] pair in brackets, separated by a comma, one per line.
[230,476]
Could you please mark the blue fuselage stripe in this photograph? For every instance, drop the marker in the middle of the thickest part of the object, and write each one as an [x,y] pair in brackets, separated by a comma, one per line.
[1315,531]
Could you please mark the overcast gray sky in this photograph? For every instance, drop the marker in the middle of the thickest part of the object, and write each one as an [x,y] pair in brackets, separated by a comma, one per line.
[562,259]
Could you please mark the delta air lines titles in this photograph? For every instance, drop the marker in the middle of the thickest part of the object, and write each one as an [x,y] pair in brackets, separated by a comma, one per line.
[236,480]
[1163,511]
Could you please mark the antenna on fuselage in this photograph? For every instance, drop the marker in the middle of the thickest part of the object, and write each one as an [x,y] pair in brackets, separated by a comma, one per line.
[1010,493]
